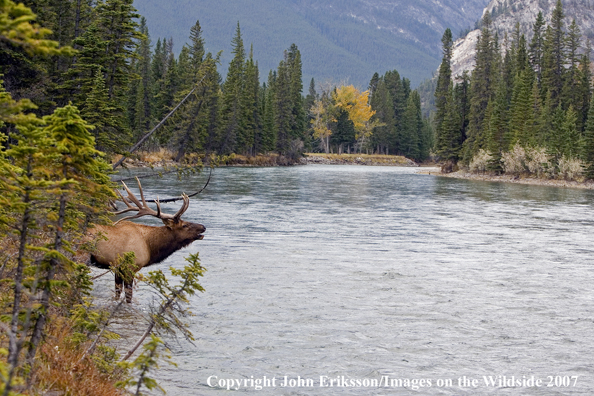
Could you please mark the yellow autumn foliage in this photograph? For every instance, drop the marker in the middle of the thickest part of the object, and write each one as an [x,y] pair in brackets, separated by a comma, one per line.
[355,103]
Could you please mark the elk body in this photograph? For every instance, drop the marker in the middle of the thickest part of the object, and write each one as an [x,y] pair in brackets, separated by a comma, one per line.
[150,244]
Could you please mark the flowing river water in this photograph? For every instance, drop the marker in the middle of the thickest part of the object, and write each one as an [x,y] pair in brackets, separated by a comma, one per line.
[381,281]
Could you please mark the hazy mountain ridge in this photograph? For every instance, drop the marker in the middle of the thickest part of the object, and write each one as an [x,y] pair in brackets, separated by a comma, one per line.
[411,20]
[345,40]
[505,15]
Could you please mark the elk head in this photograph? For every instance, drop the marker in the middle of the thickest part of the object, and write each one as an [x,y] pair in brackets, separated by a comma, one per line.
[185,231]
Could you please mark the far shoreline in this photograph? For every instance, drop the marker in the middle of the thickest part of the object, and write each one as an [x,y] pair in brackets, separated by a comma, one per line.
[585,185]
[150,160]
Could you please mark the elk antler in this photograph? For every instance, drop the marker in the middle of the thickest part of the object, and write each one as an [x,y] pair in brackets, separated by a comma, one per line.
[143,208]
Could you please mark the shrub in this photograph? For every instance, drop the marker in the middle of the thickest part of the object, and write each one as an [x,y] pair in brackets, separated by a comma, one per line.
[570,168]
[537,161]
[514,161]
[479,162]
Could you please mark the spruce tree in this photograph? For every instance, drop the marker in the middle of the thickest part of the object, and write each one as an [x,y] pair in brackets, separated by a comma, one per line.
[588,153]
[398,94]
[483,88]
[412,138]
[268,139]
[296,89]
[571,92]
[383,105]
[249,126]
[142,111]
[231,99]
[498,132]
[444,80]
[537,47]
[283,108]
[584,88]
[554,56]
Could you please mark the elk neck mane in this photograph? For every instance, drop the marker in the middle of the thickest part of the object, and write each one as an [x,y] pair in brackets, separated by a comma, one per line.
[162,242]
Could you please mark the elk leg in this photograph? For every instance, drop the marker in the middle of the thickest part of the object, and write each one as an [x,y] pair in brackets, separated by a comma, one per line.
[119,283]
[128,290]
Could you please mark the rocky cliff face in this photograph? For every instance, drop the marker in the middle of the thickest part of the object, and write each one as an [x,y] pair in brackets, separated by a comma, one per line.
[505,15]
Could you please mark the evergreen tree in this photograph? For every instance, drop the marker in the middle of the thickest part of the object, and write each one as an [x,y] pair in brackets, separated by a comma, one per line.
[554,56]
[231,99]
[308,103]
[199,75]
[412,138]
[484,79]
[80,78]
[584,88]
[283,108]
[249,126]
[98,110]
[444,79]
[522,115]
[588,154]
[498,139]
[141,89]
[296,90]
[383,105]
[571,92]
[268,139]
[373,83]
[398,94]
[537,47]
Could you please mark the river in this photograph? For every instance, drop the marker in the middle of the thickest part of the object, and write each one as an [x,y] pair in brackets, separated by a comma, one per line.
[380,281]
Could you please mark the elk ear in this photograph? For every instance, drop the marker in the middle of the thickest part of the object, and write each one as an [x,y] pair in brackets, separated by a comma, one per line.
[169,223]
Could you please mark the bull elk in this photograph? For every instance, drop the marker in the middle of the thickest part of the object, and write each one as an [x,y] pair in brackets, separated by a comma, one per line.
[150,244]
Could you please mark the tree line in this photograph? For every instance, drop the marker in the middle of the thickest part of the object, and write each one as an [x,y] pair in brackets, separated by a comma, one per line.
[526,107]
[124,85]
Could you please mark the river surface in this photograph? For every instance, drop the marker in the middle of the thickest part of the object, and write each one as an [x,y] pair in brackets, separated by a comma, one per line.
[393,282]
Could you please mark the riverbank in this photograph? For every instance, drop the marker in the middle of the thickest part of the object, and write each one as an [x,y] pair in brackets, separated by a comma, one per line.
[357,159]
[165,158]
[588,184]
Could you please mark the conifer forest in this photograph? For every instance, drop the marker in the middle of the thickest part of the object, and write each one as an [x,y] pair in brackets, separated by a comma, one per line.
[527,106]
[84,83]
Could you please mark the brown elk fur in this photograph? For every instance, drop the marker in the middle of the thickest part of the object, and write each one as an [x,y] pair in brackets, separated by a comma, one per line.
[150,245]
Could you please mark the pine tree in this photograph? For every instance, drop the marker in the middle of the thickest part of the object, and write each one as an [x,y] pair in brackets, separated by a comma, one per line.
[554,56]
[80,78]
[498,139]
[283,108]
[98,110]
[296,89]
[412,128]
[571,94]
[442,89]
[521,120]
[249,126]
[308,102]
[484,79]
[230,103]
[383,105]
[373,83]
[197,74]
[537,47]
[268,139]
[143,87]
[588,153]
[398,94]
[584,88]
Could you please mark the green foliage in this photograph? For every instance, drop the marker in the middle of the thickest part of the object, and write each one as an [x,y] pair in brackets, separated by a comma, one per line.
[148,360]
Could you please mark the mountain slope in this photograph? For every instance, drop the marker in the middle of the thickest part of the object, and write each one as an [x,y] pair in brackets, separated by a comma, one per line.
[505,15]
[346,40]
